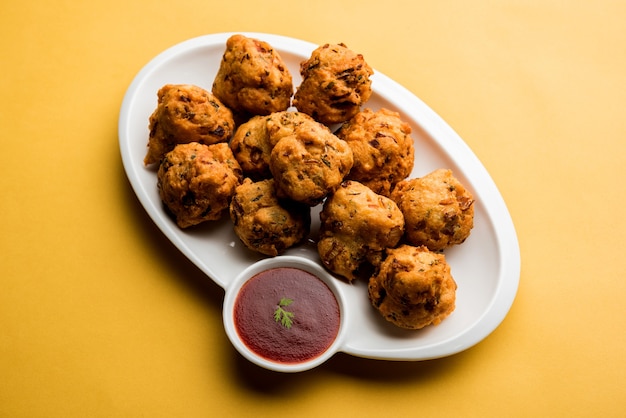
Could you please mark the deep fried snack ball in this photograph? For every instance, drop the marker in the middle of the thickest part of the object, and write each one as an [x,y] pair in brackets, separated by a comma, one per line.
[310,164]
[197,181]
[253,140]
[413,287]
[382,146]
[357,225]
[251,147]
[252,77]
[186,113]
[335,83]
[438,209]
[263,222]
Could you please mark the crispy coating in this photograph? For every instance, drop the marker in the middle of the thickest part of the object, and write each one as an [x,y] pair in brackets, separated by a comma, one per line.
[253,78]
[335,83]
[251,147]
[253,141]
[357,225]
[186,113]
[263,222]
[413,287]
[438,210]
[197,181]
[382,146]
[310,164]
[281,124]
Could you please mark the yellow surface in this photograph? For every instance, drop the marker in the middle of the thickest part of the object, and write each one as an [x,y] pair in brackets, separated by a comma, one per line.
[101,317]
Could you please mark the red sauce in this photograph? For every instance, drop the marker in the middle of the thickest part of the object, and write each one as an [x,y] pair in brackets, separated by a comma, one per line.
[315,320]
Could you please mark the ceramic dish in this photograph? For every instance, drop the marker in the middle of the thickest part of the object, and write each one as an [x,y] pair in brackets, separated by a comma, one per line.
[486,267]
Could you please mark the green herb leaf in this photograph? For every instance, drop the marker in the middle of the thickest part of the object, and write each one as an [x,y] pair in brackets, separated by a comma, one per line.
[281,315]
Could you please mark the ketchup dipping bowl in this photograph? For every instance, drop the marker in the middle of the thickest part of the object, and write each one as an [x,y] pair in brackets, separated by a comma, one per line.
[285,314]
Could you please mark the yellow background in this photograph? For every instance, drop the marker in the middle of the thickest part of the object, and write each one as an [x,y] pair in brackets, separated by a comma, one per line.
[100,316]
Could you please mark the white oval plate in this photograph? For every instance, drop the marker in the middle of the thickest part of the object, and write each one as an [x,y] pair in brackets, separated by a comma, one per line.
[486,267]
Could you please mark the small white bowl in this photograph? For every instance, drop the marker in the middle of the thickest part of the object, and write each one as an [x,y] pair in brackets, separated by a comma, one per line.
[301,263]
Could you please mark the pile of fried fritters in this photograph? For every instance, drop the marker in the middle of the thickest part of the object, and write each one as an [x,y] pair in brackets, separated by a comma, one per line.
[265,155]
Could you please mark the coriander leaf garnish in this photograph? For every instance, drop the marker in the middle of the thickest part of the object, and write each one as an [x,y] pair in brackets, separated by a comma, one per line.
[281,315]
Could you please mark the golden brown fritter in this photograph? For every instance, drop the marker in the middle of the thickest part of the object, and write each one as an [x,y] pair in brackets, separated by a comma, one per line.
[335,83]
[253,141]
[263,222]
[438,210]
[382,146]
[186,113]
[310,164]
[413,287]
[253,78]
[197,181]
[357,225]
[251,147]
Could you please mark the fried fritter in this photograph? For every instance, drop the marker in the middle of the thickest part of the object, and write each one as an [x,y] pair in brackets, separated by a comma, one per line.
[357,225]
[186,113]
[335,83]
[251,147]
[253,141]
[309,164]
[382,146]
[252,78]
[413,287]
[263,222]
[196,182]
[438,210]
